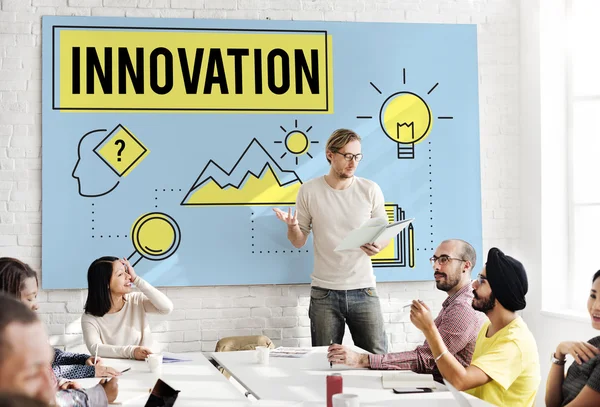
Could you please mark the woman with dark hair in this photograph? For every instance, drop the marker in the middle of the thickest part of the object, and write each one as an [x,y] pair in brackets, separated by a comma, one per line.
[115,323]
[20,281]
[581,385]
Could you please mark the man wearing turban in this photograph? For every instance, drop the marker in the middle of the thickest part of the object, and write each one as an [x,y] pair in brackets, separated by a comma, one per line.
[505,369]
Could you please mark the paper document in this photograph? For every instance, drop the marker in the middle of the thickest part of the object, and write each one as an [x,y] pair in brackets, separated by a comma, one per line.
[288,352]
[373,230]
[406,380]
[167,359]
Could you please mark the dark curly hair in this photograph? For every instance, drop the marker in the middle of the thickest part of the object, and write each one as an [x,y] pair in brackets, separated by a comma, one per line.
[13,274]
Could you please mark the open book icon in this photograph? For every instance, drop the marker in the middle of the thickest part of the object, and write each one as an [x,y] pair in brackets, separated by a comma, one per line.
[373,230]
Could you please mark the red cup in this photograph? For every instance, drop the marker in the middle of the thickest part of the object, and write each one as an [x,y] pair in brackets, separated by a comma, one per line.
[335,385]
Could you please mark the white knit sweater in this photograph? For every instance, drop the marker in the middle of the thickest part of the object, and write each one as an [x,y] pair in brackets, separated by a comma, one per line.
[117,335]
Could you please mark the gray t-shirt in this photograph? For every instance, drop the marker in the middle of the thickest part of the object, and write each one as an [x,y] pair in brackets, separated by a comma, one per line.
[578,376]
[331,214]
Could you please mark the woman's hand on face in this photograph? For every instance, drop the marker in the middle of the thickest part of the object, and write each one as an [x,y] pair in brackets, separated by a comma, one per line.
[581,351]
[129,268]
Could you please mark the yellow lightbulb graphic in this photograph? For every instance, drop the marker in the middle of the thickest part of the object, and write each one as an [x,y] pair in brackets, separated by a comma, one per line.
[405,118]
[296,142]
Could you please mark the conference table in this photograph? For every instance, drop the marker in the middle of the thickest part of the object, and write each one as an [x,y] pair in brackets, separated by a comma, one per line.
[284,382]
[199,382]
[303,379]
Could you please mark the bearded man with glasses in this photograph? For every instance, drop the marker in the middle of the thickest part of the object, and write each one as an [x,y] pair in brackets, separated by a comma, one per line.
[343,284]
[505,370]
[457,322]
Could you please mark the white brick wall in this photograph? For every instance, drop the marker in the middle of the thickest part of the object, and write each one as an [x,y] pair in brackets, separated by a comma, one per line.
[205,314]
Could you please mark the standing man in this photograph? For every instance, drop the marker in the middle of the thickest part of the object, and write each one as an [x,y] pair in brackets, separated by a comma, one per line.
[457,322]
[505,369]
[343,283]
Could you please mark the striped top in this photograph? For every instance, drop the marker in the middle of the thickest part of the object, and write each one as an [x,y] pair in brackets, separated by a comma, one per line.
[578,376]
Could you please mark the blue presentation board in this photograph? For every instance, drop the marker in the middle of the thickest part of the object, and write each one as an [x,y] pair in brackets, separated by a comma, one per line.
[170,141]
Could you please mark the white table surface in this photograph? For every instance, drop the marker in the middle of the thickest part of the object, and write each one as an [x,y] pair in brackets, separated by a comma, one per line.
[200,383]
[436,399]
[303,379]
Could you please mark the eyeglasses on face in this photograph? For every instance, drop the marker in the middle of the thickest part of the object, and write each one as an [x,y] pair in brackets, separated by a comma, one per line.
[350,157]
[480,278]
[443,259]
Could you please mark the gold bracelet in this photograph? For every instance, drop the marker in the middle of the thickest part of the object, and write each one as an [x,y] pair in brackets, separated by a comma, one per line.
[441,354]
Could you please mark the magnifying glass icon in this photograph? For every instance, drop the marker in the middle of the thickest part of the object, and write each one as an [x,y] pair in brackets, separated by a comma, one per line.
[155,236]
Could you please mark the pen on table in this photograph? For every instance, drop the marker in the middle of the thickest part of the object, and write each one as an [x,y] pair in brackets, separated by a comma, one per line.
[330,363]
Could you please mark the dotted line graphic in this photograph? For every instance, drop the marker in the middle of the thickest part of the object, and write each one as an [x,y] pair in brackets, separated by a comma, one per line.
[158,190]
[430,198]
[254,251]
[94,235]
[430,201]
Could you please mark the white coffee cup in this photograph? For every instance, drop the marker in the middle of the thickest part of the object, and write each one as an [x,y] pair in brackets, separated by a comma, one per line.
[154,361]
[262,355]
[345,400]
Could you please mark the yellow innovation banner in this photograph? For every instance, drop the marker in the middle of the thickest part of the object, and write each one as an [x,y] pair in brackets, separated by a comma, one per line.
[215,71]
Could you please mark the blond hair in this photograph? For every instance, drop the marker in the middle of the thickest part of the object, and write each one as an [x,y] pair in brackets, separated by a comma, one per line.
[338,140]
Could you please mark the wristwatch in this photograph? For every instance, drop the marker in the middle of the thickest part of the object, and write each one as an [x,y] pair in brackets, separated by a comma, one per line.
[557,361]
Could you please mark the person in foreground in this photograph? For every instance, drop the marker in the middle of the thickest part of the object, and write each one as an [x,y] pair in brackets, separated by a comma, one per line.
[505,369]
[115,323]
[25,358]
[20,281]
[19,400]
[457,322]
[343,284]
[581,386]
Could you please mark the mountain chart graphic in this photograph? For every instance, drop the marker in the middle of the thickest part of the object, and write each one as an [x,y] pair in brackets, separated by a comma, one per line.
[255,180]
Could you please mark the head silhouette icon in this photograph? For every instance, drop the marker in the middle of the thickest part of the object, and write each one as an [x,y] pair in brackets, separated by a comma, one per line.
[94,177]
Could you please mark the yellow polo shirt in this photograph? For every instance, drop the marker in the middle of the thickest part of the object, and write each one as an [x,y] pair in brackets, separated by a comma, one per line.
[510,358]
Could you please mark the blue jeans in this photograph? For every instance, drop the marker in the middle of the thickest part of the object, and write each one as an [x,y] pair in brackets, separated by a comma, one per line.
[360,309]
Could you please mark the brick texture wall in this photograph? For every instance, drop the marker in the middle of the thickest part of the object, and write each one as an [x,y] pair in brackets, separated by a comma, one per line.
[204,314]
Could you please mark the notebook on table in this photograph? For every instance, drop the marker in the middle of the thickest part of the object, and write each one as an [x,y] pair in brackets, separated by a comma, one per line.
[408,382]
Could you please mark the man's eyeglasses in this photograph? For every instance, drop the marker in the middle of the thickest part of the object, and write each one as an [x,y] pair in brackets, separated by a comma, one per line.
[480,278]
[350,157]
[443,259]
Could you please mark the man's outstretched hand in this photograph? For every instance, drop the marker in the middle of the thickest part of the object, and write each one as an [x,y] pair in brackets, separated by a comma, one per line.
[288,218]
